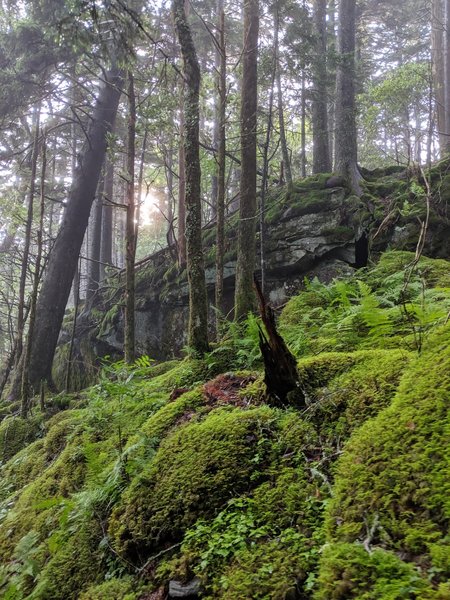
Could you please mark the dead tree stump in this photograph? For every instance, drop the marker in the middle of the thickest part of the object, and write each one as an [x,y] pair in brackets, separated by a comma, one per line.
[280,366]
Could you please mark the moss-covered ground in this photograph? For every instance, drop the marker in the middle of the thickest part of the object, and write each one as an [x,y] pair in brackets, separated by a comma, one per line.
[182,469]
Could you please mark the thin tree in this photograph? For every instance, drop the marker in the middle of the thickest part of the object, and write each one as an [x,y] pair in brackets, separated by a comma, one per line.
[25,395]
[198,308]
[281,124]
[221,162]
[246,252]
[131,226]
[346,139]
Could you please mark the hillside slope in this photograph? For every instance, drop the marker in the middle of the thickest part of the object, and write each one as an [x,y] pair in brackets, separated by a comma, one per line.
[179,478]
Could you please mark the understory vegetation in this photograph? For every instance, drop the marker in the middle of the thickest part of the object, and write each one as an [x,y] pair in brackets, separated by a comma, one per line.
[183,470]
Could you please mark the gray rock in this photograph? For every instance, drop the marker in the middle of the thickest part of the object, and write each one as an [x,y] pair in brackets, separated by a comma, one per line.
[184,590]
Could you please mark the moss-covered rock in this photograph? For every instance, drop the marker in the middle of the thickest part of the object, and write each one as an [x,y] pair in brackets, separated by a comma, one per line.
[16,433]
[393,477]
[349,571]
[196,469]
[125,588]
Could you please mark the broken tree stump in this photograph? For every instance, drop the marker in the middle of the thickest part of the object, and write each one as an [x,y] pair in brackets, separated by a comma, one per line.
[280,366]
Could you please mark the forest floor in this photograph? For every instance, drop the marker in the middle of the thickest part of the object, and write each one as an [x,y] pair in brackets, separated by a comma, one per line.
[180,479]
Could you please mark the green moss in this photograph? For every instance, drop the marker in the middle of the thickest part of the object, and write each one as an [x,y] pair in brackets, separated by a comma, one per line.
[435,272]
[58,430]
[268,570]
[196,469]
[349,571]
[75,565]
[126,588]
[16,433]
[394,471]
[353,396]
[159,423]
[25,466]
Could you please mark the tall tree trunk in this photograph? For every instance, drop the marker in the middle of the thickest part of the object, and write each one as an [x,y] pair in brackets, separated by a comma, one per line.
[438,65]
[63,259]
[246,251]
[25,406]
[131,225]
[447,74]
[321,146]
[346,138]
[93,266]
[332,77]
[107,219]
[303,127]
[265,172]
[182,182]
[221,164]
[198,306]
[27,241]
[281,123]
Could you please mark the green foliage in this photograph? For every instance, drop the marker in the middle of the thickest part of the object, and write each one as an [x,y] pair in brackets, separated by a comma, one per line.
[153,461]
[394,304]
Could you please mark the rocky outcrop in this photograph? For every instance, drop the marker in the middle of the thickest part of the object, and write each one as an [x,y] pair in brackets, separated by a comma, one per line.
[310,233]
[314,229]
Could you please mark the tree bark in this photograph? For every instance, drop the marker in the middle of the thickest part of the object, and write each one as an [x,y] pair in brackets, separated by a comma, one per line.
[246,252]
[27,241]
[198,307]
[321,146]
[131,225]
[346,136]
[93,266]
[107,219]
[438,68]
[63,259]
[221,164]
[447,75]
[281,123]
[25,392]
[182,183]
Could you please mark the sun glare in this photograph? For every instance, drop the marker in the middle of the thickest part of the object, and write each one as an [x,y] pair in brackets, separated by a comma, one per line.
[149,206]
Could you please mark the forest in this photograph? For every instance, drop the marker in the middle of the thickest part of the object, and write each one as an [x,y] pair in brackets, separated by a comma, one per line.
[225,299]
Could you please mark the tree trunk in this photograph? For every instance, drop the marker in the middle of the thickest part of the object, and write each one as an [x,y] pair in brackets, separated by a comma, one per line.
[447,75]
[332,78]
[107,219]
[63,259]
[437,59]
[321,146]
[93,266]
[346,137]
[198,307]
[27,241]
[25,406]
[130,252]
[221,164]
[303,127]
[281,123]
[246,251]
[182,183]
